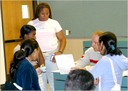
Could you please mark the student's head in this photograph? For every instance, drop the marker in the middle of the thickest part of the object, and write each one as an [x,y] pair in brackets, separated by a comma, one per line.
[27,31]
[43,11]
[29,49]
[108,44]
[79,80]
[95,39]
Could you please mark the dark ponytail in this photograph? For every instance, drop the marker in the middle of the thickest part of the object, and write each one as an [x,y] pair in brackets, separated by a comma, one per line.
[110,42]
[18,56]
[27,48]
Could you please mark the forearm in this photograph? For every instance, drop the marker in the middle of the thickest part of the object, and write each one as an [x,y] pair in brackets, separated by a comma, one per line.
[81,63]
[41,60]
[62,45]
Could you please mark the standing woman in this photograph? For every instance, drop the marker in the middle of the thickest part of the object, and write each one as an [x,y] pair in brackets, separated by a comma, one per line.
[50,37]
[108,48]
[21,67]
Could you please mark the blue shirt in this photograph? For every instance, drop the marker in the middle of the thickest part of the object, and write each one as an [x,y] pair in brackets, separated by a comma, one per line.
[26,76]
[103,70]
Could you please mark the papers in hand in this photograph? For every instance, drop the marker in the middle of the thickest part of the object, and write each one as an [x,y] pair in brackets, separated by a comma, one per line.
[64,63]
[125,73]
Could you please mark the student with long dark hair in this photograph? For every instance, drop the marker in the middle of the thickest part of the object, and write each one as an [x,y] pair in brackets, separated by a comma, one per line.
[103,69]
[21,67]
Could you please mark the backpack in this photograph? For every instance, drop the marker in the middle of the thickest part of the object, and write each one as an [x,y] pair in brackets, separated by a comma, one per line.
[9,85]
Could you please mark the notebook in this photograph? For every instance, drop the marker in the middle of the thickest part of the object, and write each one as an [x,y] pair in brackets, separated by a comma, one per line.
[65,62]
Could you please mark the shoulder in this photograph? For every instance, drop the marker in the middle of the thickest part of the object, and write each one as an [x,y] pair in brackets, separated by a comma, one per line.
[104,59]
[90,50]
[53,21]
[17,48]
[25,65]
[32,22]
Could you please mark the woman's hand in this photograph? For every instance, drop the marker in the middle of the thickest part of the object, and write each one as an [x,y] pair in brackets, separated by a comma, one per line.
[56,53]
[96,81]
[38,71]
[74,68]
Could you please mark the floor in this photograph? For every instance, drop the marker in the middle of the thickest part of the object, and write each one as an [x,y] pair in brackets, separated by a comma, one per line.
[48,87]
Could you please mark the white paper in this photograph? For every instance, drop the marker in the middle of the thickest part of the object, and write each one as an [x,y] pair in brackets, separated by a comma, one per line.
[125,73]
[65,62]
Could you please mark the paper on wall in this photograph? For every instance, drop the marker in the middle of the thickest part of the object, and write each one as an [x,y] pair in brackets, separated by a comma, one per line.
[64,63]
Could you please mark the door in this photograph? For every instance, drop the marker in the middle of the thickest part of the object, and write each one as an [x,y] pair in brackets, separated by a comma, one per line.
[12,22]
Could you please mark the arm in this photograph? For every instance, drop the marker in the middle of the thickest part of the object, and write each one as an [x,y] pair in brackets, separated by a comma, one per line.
[30,79]
[41,58]
[84,60]
[27,80]
[41,63]
[62,39]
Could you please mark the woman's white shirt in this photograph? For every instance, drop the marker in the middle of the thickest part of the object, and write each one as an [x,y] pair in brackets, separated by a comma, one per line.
[46,33]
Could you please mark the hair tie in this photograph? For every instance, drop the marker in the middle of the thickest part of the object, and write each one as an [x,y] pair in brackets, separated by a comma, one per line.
[23,49]
[112,46]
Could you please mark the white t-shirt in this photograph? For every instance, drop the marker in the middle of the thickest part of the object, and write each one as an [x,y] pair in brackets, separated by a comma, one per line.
[16,48]
[46,33]
[90,57]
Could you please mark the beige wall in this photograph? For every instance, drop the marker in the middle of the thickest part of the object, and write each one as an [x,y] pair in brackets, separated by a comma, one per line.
[2,59]
[75,47]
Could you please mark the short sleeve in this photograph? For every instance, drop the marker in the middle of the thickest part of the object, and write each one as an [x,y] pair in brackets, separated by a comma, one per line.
[58,27]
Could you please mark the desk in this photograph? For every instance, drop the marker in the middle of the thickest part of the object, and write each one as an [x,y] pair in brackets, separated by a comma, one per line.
[124,86]
[59,80]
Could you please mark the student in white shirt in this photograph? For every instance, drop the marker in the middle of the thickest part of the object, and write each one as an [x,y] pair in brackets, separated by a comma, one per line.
[92,54]
[51,39]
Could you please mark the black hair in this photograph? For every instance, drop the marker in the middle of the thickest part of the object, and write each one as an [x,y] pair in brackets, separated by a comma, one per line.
[27,48]
[26,29]
[110,42]
[79,80]
[40,7]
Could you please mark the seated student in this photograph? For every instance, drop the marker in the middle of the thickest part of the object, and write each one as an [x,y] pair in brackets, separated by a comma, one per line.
[21,67]
[27,32]
[108,48]
[79,80]
[92,54]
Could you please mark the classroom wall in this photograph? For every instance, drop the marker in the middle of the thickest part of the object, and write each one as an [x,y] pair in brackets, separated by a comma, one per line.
[82,17]
[2,59]
[75,47]
[107,15]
